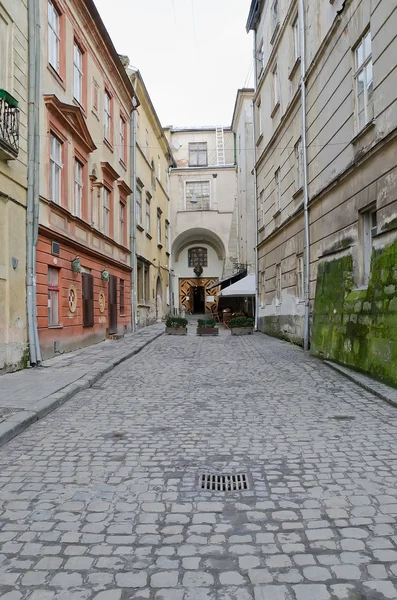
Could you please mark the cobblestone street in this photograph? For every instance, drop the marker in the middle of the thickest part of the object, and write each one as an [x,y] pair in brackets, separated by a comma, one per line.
[102,498]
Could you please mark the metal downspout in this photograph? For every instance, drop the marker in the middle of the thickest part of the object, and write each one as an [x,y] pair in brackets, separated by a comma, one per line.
[133,217]
[255,194]
[306,329]
[170,263]
[32,187]
[36,204]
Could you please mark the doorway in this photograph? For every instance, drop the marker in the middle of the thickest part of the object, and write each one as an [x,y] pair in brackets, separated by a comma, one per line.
[198,300]
[112,304]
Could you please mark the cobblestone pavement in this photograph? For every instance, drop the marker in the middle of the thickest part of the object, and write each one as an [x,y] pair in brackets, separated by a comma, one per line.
[101,499]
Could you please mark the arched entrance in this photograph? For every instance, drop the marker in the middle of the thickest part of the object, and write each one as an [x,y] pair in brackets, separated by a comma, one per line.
[159,300]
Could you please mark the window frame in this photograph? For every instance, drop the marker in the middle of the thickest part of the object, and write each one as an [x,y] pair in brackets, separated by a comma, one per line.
[79,69]
[203,250]
[369,106]
[148,203]
[296,37]
[275,88]
[260,120]
[261,208]
[107,116]
[123,139]
[298,151]
[159,213]
[122,297]
[278,285]
[54,33]
[167,238]
[53,291]
[195,152]
[87,284]
[56,167]
[204,205]
[122,221]
[78,187]
[277,183]
[138,205]
[300,277]
[106,210]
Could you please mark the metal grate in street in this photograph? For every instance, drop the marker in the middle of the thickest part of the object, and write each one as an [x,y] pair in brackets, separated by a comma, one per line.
[220,482]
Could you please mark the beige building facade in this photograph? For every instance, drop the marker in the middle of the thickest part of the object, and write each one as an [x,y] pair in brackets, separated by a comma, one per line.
[203,215]
[152,211]
[349,176]
[13,182]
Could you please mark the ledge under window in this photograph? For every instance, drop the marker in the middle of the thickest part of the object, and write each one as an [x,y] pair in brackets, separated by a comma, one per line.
[138,226]
[148,235]
[278,211]
[260,138]
[298,192]
[370,125]
[294,68]
[275,32]
[275,109]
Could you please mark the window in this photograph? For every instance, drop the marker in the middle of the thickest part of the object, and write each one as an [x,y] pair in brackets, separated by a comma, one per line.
[95,96]
[259,112]
[78,189]
[53,297]
[364,82]
[261,58]
[147,144]
[261,206]
[275,15]
[87,281]
[167,238]
[300,287]
[159,227]
[159,169]
[369,230]
[299,163]
[147,214]
[122,139]
[138,205]
[147,284]
[153,175]
[296,34]
[198,257]
[55,169]
[276,96]
[106,211]
[140,282]
[122,303]
[198,155]
[197,195]
[107,117]
[277,184]
[78,74]
[278,283]
[53,36]
[122,223]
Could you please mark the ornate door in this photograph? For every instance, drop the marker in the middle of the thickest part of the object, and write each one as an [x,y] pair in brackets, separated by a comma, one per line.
[186,293]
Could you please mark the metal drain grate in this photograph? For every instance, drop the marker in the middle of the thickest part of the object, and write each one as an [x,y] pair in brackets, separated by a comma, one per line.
[343,417]
[219,482]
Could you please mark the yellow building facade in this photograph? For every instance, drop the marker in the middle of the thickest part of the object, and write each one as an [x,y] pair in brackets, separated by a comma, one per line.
[13,182]
[152,222]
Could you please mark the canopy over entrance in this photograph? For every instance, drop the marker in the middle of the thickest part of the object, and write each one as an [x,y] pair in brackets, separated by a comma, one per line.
[243,287]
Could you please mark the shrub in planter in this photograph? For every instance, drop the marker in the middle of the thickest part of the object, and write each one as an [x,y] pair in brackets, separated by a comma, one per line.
[242,325]
[207,327]
[176,325]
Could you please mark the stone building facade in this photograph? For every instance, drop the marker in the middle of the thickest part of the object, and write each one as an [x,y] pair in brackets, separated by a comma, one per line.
[351,119]
[152,211]
[13,182]
[83,257]
[203,215]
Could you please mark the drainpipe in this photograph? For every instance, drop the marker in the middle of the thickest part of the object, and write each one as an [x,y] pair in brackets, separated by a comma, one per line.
[170,263]
[255,194]
[306,332]
[33,177]
[133,215]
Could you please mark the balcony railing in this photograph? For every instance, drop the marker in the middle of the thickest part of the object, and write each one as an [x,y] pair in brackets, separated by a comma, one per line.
[9,126]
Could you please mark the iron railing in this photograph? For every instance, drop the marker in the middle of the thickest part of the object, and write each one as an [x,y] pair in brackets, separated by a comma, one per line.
[9,124]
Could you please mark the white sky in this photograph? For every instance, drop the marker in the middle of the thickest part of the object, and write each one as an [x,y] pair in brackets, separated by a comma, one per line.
[193,54]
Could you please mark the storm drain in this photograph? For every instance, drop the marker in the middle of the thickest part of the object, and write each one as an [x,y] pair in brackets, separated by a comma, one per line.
[221,482]
[343,417]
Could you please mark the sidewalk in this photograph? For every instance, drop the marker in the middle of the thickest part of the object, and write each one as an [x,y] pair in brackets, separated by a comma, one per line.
[26,396]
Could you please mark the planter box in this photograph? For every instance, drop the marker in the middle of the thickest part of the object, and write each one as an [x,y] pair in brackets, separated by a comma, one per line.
[242,330]
[207,331]
[176,330]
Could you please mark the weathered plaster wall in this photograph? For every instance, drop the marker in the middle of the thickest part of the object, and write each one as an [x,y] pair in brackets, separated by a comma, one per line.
[358,327]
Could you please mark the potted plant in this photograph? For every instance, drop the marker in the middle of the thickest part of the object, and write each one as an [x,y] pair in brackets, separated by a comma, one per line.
[176,325]
[207,327]
[242,326]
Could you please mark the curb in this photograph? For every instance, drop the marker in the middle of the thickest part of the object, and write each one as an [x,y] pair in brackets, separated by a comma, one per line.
[381,390]
[20,420]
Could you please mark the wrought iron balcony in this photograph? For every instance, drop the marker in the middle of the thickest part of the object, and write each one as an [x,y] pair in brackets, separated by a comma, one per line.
[9,126]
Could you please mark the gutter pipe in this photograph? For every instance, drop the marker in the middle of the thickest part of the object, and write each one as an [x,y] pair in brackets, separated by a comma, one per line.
[133,215]
[33,177]
[255,194]
[306,325]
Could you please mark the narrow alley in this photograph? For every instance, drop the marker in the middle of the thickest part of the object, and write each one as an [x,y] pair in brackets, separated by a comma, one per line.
[103,498]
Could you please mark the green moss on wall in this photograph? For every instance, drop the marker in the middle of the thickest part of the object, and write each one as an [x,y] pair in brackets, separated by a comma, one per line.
[354,327]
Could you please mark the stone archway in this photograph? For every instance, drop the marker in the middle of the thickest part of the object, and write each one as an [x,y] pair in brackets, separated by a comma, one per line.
[159,300]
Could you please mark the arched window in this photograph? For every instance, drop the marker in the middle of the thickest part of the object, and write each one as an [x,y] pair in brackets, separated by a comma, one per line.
[198,257]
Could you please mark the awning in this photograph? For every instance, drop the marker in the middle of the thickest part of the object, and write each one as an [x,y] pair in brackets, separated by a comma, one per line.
[224,280]
[244,287]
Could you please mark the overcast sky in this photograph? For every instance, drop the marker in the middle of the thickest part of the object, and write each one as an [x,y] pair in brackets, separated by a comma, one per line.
[193,54]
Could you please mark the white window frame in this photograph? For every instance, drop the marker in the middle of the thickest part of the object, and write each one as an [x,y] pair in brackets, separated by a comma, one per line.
[300,275]
[147,214]
[296,38]
[260,121]
[192,182]
[277,184]
[196,152]
[276,91]
[122,138]
[107,116]
[53,297]
[167,238]
[138,205]
[56,167]
[261,205]
[275,15]
[122,213]
[363,67]
[158,227]
[106,210]
[54,38]
[77,73]
[78,188]
[298,151]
